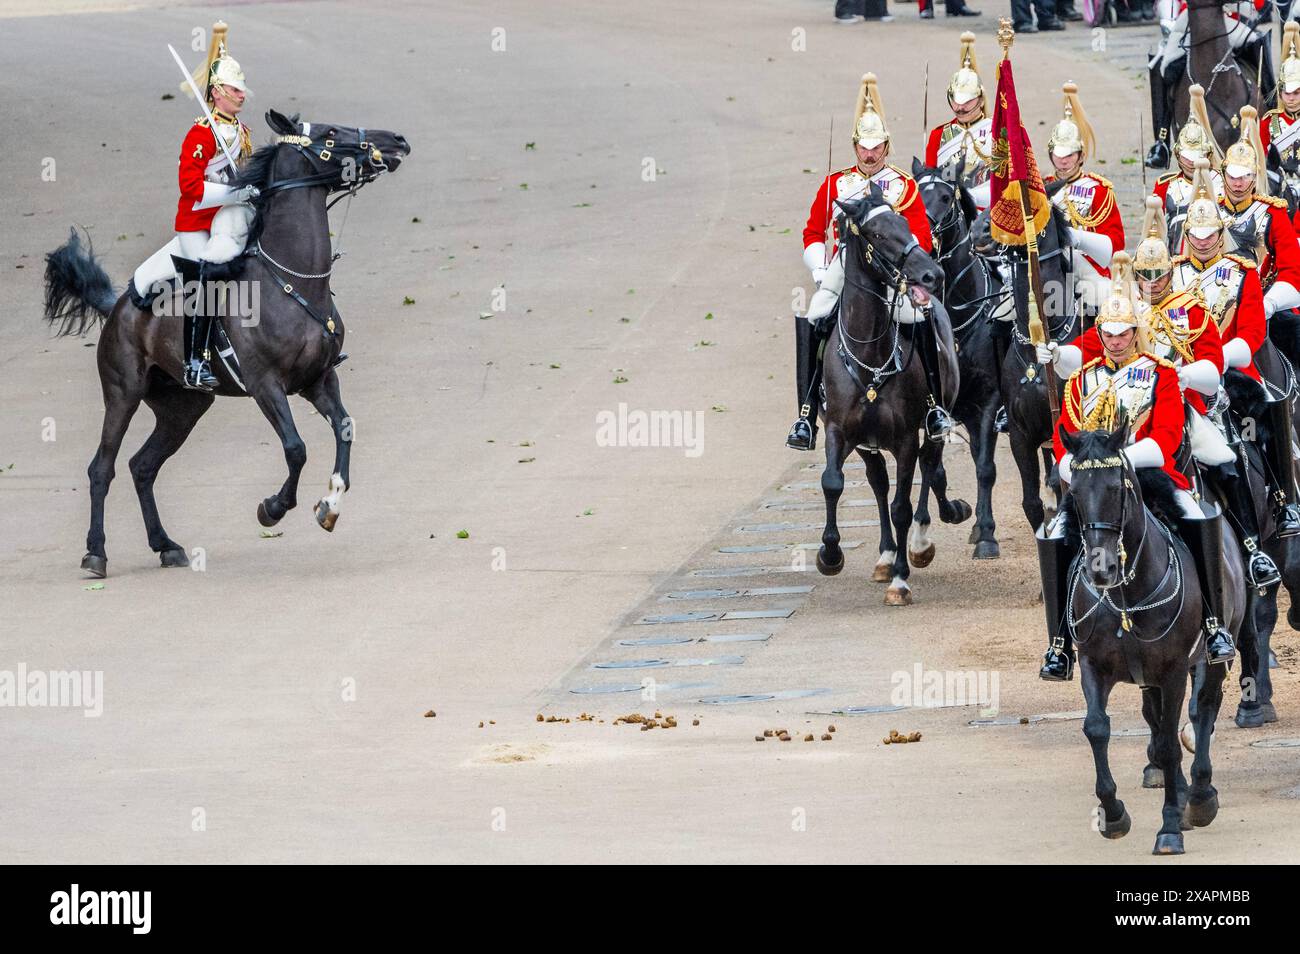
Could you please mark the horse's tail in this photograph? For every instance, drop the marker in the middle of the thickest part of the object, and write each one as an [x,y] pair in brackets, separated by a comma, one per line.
[78,292]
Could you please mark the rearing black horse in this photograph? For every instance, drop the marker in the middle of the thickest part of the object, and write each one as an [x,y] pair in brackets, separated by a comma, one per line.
[289,345]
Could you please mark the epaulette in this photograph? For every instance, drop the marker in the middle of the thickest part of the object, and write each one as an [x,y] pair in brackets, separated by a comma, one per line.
[1101,180]
[905,175]
[1163,362]
[1243,262]
[1272,112]
[1168,177]
[1091,364]
[1181,260]
[200,120]
[1272,200]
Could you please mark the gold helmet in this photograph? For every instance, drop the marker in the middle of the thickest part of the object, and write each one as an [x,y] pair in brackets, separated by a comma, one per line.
[1151,260]
[1195,138]
[1203,218]
[1245,157]
[220,68]
[1288,75]
[1073,133]
[1122,308]
[869,121]
[966,84]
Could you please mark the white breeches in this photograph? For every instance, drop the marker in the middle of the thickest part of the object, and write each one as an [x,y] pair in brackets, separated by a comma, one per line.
[227,239]
[1209,446]
[1171,50]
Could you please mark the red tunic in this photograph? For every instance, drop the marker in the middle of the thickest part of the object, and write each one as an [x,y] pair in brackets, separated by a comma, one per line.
[899,189]
[1162,420]
[1281,260]
[1089,203]
[198,152]
[1201,335]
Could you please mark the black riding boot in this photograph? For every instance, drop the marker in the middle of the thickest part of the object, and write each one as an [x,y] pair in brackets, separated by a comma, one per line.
[808,340]
[1282,466]
[198,374]
[1001,347]
[1158,155]
[1205,539]
[937,420]
[1054,568]
[1226,478]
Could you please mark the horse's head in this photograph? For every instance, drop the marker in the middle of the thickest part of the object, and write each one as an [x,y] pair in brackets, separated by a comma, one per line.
[890,252]
[942,195]
[1105,491]
[339,157]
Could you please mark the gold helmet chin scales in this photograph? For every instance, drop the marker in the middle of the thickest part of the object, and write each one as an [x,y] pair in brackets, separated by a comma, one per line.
[966,84]
[869,127]
[1073,133]
[1151,259]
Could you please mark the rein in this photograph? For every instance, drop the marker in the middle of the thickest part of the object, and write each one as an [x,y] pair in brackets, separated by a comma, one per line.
[1128,573]
[979,306]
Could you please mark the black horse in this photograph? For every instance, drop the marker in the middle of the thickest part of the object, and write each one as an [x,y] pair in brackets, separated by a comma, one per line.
[290,344]
[971,295]
[1135,614]
[875,385]
[1024,385]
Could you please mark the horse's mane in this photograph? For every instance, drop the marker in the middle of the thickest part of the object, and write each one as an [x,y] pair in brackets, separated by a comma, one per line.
[257,172]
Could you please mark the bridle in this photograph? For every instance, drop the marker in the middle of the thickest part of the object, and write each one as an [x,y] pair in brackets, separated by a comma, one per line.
[329,159]
[1127,569]
[980,305]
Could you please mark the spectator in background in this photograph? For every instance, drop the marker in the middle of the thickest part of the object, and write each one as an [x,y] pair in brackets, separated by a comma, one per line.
[850,11]
[1022,19]
[952,8]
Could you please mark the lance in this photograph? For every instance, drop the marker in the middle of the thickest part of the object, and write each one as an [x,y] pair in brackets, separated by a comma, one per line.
[1141,155]
[830,149]
[925,102]
[207,113]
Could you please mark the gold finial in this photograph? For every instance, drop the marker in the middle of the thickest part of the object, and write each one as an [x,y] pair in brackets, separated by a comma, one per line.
[1006,35]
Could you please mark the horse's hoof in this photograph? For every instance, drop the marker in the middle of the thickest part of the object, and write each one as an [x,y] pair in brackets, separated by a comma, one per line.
[1153,777]
[957,511]
[986,550]
[1117,828]
[898,596]
[1270,714]
[96,566]
[1168,843]
[923,558]
[883,573]
[1201,814]
[1293,617]
[264,516]
[1251,718]
[325,516]
[174,557]
[1188,737]
[823,567]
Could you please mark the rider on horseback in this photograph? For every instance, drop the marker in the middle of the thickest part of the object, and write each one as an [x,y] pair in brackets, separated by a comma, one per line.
[871,144]
[1281,126]
[1175,188]
[1126,382]
[1088,200]
[965,141]
[1170,59]
[212,217]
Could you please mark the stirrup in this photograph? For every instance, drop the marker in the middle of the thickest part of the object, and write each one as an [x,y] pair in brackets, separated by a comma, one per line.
[802,436]
[1057,666]
[1219,647]
[198,376]
[1260,568]
[938,424]
[1287,520]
